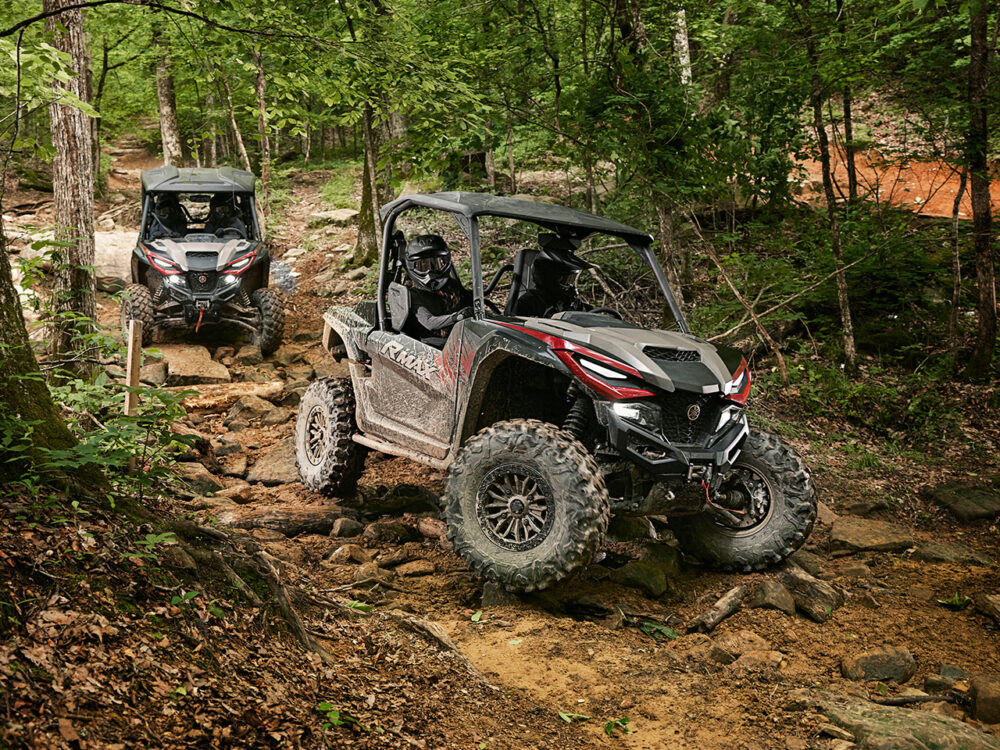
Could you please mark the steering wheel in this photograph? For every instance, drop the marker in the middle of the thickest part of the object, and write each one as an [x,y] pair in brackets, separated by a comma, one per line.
[236,233]
[607,311]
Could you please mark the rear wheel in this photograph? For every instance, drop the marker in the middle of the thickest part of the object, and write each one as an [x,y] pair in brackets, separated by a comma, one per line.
[773,503]
[328,459]
[525,504]
[271,309]
[137,305]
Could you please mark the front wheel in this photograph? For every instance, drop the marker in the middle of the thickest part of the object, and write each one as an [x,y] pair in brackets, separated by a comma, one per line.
[271,310]
[328,459]
[525,504]
[770,493]
[137,305]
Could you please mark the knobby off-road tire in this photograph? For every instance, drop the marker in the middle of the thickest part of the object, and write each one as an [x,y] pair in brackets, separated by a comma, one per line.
[328,460]
[789,520]
[137,305]
[549,467]
[271,307]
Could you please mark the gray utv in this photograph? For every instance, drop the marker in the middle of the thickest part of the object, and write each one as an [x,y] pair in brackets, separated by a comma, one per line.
[548,425]
[200,258]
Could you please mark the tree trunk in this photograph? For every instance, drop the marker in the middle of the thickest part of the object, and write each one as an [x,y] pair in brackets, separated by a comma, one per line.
[265,144]
[170,135]
[240,146]
[24,396]
[852,172]
[491,167]
[979,190]
[816,100]
[682,46]
[510,152]
[211,152]
[956,259]
[74,290]
[667,249]
[365,252]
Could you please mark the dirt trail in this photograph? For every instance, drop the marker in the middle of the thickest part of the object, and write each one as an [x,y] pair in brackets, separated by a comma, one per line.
[577,650]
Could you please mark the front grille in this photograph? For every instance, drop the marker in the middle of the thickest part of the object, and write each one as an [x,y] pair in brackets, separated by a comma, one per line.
[679,428]
[672,355]
[195,280]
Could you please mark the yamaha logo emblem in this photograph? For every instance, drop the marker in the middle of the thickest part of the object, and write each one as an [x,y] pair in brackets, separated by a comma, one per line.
[694,411]
[202,279]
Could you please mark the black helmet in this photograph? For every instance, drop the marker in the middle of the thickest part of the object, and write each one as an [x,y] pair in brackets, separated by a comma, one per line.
[428,262]
[557,265]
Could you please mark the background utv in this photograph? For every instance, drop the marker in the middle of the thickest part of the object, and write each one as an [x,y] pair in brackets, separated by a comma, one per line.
[546,426]
[200,258]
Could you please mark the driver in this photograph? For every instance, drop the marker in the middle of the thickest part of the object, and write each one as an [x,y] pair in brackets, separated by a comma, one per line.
[553,279]
[222,215]
[168,217]
[437,297]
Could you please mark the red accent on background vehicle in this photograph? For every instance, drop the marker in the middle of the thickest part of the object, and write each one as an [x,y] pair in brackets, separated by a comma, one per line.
[151,258]
[741,397]
[565,351]
[236,272]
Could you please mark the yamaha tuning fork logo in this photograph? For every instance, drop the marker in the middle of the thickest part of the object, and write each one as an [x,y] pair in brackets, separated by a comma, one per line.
[694,411]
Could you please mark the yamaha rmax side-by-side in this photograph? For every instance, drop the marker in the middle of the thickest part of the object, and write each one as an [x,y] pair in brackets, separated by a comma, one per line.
[200,258]
[548,423]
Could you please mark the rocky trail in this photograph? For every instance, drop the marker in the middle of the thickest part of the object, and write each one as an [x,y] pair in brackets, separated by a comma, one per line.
[880,606]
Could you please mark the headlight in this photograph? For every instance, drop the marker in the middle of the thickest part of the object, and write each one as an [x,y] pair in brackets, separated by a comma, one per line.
[241,264]
[229,280]
[644,415]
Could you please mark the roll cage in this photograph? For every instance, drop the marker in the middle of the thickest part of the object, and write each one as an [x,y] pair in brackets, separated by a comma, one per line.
[466,208]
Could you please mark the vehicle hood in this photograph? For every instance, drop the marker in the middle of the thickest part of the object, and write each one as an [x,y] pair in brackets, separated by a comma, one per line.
[666,359]
[201,256]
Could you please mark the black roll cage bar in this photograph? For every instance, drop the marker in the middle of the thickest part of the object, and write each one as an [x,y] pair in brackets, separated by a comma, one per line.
[470,227]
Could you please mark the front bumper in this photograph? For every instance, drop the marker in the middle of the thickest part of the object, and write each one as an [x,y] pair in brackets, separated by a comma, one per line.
[655,454]
[183,299]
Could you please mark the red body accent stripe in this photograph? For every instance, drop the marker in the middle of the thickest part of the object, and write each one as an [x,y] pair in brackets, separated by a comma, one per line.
[565,350]
[251,255]
[741,397]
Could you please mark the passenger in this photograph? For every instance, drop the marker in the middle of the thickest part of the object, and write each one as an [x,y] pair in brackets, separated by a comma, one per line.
[552,281]
[167,218]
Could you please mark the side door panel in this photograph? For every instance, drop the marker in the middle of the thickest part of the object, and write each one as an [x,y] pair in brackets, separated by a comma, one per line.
[409,397]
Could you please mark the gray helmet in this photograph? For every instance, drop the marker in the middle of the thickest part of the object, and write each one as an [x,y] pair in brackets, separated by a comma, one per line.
[428,262]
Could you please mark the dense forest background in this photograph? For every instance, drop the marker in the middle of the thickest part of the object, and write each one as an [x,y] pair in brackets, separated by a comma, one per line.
[817,177]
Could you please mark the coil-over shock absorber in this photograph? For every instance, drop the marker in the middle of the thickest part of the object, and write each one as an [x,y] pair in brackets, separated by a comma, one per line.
[578,417]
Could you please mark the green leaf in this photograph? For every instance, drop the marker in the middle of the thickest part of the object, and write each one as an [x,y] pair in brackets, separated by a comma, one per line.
[478,616]
[570,718]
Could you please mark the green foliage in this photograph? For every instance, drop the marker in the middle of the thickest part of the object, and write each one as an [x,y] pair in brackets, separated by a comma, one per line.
[620,725]
[570,718]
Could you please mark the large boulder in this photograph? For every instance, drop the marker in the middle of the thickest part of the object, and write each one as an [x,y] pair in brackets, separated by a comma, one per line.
[248,408]
[985,692]
[865,535]
[950,552]
[340,217]
[966,500]
[277,466]
[816,599]
[885,664]
[877,727]
[199,479]
[189,365]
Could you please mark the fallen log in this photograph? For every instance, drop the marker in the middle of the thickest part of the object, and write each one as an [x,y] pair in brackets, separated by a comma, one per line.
[290,521]
[727,605]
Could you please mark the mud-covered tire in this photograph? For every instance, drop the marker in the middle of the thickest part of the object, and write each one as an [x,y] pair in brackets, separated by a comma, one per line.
[791,517]
[271,308]
[137,304]
[328,460]
[577,499]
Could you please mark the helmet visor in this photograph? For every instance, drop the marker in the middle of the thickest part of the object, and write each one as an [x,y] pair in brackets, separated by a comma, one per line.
[430,265]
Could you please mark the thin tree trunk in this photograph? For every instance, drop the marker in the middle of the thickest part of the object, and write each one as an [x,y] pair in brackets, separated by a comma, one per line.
[979,190]
[852,171]
[682,46]
[371,163]
[956,259]
[265,143]
[74,290]
[667,248]
[365,251]
[211,152]
[240,146]
[816,99]
[510,152]
[169,132]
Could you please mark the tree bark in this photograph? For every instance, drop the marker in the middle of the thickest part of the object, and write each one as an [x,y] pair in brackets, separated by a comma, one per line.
[170,135]
[956,259]
[369,224]
[852,171]
[979,190]
[265,143]
[816,100]
[24,396]
[665,215]
[240,146]
[74,290]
